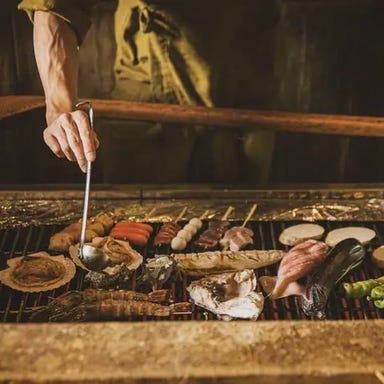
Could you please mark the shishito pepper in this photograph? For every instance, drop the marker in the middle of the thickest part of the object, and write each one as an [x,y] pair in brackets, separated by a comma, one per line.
[362,288]
[377,295]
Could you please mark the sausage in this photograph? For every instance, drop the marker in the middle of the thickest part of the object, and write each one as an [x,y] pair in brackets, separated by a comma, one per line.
[130,230]
[137,238]
[131,224]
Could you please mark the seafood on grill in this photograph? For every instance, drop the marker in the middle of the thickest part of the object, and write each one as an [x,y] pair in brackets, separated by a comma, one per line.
[298,233]
[200,264]
[121,254]
[296,263]
[37,272]
[93,304]
[345,256]
[134,232]
[157,271]
[228,295]
[362,234]
[100,225]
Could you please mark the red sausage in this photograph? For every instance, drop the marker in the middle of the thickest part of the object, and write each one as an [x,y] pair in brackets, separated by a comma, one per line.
[133,237]
[132,224]
[130,230]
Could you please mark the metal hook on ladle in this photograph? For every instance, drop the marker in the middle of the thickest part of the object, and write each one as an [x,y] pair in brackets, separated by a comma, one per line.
[93,258]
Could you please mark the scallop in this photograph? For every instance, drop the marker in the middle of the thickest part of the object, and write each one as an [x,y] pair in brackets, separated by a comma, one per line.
[178,243]
[196,222]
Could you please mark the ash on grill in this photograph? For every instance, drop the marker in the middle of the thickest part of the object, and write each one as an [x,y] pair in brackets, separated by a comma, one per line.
[17,306]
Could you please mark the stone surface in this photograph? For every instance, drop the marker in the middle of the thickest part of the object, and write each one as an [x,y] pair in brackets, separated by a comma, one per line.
[284,352]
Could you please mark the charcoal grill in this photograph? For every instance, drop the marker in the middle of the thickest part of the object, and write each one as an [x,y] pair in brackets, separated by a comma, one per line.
[344,348]
[17,307]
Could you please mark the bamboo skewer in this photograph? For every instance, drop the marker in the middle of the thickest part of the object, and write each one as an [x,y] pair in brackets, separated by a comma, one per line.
[250,214]
[204,215]
[150,213]
[227,213]
[181,214]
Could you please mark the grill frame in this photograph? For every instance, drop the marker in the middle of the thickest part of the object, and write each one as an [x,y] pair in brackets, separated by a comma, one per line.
[270,352]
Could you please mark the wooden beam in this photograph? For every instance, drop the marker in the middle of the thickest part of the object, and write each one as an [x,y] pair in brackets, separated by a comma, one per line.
[225,117]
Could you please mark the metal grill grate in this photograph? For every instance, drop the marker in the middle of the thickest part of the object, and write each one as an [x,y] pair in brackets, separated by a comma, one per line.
[17,307]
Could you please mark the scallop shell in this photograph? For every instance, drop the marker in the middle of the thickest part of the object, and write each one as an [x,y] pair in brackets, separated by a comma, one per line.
[132,264]
[7,278]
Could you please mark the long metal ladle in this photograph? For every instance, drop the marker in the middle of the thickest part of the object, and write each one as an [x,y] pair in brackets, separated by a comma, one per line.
[93,258]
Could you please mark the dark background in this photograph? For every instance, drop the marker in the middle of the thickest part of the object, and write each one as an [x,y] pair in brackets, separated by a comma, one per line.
[327,57]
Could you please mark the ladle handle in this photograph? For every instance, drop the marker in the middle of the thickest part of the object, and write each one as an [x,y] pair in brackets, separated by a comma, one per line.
[87,181]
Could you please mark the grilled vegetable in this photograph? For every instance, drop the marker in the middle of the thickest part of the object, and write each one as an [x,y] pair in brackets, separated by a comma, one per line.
[377,295]
[361,288]
[345,256]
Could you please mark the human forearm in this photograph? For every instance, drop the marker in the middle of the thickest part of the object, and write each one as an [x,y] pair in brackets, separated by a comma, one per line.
[57,60]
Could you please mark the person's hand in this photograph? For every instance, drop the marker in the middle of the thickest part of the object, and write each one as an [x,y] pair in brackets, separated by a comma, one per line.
[71,136]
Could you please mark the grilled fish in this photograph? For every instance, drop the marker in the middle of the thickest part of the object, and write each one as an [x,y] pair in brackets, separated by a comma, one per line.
[200,264]
[297,263]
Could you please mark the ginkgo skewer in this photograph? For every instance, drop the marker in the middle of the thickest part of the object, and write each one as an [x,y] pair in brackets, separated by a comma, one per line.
[184,236]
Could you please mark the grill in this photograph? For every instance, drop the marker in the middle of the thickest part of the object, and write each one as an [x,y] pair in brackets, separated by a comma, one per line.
[17,307]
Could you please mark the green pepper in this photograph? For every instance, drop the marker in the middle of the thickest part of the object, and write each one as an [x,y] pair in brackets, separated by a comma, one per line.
[379,304]
[361,288]
[377,293]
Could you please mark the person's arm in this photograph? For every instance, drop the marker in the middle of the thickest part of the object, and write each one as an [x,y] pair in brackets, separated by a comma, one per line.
[68,133]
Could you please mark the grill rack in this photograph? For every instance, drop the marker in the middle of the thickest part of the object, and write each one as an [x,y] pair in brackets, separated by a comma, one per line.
[17,306]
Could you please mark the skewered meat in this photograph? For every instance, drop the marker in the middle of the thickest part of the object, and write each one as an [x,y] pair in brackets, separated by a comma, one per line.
[210,238]
[37,272]
[297,263]
[200,264]
[70,235]
[228,295]
[167,232]
[345,256]
[298,233]
[237,238]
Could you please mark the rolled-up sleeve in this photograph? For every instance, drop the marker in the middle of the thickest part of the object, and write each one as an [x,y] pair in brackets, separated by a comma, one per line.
[75,12]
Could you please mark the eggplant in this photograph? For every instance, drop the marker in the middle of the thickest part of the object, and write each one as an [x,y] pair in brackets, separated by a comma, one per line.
[344,257]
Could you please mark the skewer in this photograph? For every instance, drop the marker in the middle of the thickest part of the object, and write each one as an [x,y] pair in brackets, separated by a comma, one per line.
[204,215]
[181,214]
[250,214]
[227,213]
[150,213]
[184,236]
[379,376]
[160,239]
